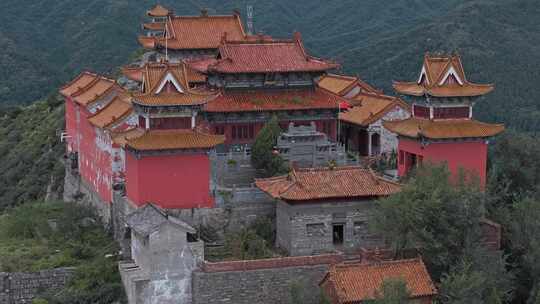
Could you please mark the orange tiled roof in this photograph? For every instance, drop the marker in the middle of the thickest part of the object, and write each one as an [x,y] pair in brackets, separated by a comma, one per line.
[147,42]
[158,11]
[327,183]
[356,283]
[96,89]
[194,76]
[267,56]
[171,99]
[370,108]
[197,32]
[121,138]
[443,129]
[79,82]
[134,73]
[436,67]
[200,64]
[154,26]
[174,140]
[273,100]
[341,84]
[117,109]
[153,74]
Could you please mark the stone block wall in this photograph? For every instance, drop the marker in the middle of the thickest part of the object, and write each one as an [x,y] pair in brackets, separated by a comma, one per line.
[22,287]
[261,281]
[306,229]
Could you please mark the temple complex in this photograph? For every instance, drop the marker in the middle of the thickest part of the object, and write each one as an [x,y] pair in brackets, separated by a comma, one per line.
[163,154]
[442,128]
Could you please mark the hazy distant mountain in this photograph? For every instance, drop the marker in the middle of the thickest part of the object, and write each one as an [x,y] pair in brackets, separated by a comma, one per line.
[44,43]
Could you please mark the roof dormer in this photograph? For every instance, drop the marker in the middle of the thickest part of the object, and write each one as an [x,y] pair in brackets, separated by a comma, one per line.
[451,77]
[169,84]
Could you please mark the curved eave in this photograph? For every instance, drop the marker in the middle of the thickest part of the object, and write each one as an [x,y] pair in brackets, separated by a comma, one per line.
[112,121]
[154,26]
[142,104]
[135,74]
[409,129]
[466,90]
[145,143]
[147,42]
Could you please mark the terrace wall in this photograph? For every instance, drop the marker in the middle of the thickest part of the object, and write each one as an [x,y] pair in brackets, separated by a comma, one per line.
[261,281]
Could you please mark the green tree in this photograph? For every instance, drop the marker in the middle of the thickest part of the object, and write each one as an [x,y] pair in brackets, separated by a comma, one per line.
[480,277]
[515,164]
[393,291]
[524,238]
[262,151]
[439,217]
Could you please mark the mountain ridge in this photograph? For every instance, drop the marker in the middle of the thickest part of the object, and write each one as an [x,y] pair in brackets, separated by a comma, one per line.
[46,44]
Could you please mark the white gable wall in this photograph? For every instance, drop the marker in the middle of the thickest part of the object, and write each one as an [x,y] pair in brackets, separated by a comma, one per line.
[389,141]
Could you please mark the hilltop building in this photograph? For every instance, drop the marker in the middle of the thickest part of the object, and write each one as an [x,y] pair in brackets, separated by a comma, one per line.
[147,155]
[442,128]
[263,77]
[325,209]
[188,36]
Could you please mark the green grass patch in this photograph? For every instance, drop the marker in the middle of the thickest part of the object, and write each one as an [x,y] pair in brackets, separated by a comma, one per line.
[38,236]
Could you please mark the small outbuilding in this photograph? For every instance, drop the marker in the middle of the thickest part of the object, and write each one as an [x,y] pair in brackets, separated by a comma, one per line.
[322,210]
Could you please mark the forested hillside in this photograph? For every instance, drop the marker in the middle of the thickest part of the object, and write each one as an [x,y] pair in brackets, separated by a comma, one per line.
[44,43]
[30,153]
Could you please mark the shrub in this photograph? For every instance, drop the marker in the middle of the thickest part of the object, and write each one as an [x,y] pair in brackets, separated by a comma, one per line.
[262,155]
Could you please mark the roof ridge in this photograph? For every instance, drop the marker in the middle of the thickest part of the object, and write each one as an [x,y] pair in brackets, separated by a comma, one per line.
[379,263]
[317,169]
[340,76]
[85,88]
[86,72]
[202,17]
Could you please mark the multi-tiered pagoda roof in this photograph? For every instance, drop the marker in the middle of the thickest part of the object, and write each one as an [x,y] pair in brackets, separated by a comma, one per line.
[154,77]
[442,76]
[446,110]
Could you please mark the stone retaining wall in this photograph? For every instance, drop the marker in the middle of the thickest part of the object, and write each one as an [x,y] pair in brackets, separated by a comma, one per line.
[22,287]
[261,281]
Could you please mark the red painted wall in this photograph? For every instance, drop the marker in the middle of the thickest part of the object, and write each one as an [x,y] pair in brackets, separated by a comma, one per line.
[71,110]
[471,156]
[170,181]
[94,163]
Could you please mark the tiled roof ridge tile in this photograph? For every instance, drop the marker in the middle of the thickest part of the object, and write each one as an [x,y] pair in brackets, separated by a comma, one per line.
[85,72]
